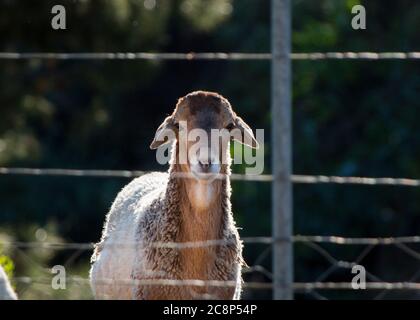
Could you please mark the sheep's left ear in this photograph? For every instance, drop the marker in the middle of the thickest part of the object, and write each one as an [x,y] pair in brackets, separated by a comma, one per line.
[164,134]
[246,137]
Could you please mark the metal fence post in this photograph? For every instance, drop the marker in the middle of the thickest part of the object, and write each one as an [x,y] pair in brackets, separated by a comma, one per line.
[282,197]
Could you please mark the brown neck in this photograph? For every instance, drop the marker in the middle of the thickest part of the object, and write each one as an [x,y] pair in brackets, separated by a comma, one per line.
[200,207]
[203,209]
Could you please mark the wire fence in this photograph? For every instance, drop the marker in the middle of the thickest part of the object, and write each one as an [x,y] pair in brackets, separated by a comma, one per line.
[313,288]
[258,277]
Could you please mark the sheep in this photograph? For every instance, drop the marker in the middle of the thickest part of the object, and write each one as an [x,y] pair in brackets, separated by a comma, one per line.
[6,291]
[188,204]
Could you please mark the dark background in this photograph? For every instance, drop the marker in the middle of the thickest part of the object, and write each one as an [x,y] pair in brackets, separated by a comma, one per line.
[349,118]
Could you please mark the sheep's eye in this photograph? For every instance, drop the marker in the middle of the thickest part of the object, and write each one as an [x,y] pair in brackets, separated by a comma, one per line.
[230,126]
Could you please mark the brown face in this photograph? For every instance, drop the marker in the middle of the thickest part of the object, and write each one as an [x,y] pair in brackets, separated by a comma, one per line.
[204,110]
[197,118]
[199,115]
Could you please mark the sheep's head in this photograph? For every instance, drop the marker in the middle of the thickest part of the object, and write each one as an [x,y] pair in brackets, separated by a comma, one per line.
[203,123]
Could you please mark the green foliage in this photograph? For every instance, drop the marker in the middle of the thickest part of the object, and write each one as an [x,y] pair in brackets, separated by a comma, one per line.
[6,262]
[206,15]
[7,265]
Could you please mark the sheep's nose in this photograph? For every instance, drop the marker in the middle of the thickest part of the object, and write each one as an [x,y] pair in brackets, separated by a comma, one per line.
[205,165]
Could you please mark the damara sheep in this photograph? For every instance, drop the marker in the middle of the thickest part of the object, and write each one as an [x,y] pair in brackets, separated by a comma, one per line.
[6,291]
[189,204]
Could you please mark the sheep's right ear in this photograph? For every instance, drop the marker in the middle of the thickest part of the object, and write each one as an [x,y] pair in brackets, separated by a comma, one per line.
[164,134]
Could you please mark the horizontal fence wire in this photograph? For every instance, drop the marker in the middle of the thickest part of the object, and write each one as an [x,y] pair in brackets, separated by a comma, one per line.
[297,286]
[207,56]
[247,240]
[300,179]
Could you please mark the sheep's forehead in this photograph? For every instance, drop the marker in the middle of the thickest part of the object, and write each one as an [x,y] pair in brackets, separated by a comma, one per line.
[205,110]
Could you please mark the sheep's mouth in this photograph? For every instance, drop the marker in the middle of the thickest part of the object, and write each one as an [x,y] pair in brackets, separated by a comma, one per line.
[205,176]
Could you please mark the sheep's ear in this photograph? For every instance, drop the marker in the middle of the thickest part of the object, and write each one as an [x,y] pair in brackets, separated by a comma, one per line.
[246,136]
[164,134]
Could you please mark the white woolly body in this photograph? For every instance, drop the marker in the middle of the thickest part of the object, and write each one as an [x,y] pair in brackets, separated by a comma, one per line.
[6,291]
[146,212]
[120,254]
